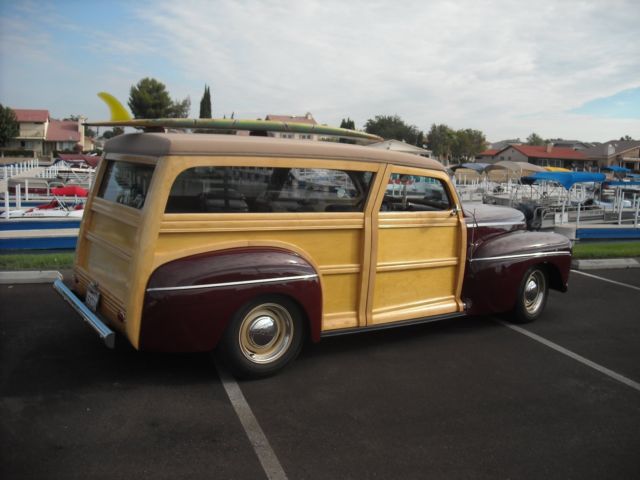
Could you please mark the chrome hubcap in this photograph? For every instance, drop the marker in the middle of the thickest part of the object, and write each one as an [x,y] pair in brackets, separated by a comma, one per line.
[263,331]
[531,291]
[534,292]
[266,333]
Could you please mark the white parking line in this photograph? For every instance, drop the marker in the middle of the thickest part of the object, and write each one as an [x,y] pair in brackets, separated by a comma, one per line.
[575,356]
[606,280]
[258,439]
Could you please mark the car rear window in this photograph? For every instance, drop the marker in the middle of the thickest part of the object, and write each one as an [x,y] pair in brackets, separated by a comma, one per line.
[260,189]
[126,183]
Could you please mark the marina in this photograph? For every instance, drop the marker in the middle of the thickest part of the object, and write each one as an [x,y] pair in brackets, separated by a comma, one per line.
[42,206]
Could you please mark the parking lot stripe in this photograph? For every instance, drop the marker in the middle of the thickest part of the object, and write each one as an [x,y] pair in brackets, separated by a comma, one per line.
[575,356]
[258,439]
[606,280]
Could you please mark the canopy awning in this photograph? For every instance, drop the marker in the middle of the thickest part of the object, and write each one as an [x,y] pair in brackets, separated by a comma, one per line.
[566,179]
[616,169]
[477,167]
[622,184]
[516,167]
[556,169]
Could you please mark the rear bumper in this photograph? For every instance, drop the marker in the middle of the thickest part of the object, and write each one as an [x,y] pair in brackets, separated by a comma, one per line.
[107,335]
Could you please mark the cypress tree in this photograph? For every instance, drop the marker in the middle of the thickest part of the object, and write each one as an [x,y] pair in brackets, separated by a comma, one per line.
[205,103]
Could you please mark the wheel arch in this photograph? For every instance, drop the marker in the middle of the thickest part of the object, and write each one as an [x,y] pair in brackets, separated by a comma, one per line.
[554,276]
[204,291]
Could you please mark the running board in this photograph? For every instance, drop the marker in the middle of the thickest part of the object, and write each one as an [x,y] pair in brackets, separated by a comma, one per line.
[386,326]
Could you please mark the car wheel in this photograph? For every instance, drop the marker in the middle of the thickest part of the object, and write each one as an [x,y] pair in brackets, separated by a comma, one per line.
[532,296]
[263,337]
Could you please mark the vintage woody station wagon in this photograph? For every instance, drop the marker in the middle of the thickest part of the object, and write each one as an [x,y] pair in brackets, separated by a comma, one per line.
[251,245]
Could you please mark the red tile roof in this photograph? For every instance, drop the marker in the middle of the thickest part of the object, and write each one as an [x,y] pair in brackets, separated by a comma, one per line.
[488,153]
[308,119]
[32,116]
[63,131]
[556,152]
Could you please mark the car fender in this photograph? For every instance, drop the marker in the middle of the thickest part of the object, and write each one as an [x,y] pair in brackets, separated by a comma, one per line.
[189,301]
[495,268]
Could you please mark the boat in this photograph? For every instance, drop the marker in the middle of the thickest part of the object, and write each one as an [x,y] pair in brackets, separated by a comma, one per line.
[67,202]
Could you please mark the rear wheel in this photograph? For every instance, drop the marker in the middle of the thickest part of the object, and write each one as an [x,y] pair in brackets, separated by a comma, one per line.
[263,337]
[532,296]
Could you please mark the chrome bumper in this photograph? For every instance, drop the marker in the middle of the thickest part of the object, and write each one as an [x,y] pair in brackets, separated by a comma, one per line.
[107,335]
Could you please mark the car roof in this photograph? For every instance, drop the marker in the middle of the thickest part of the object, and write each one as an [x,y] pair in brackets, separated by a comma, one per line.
[164,144]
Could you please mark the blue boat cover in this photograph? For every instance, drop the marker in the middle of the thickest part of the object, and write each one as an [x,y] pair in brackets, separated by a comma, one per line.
[566,179]
[623,184]
[617,169]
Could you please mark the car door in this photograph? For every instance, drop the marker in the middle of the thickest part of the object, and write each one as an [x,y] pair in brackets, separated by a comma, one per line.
[418,248]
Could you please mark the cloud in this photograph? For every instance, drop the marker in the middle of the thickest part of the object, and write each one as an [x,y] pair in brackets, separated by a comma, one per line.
[503,67]
[462,63]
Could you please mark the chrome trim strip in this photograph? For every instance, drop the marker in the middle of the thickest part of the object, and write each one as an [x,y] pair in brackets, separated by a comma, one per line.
[494,224]
[106,334]
[520,255]
[234,284]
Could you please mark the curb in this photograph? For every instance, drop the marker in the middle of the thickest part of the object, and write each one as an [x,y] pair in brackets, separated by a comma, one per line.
[605,263]
[29,276]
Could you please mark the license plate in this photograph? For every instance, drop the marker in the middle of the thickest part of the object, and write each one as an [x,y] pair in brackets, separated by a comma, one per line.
[92,299]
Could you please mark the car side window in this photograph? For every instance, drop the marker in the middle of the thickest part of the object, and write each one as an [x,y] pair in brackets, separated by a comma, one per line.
[266,189]
[411,193]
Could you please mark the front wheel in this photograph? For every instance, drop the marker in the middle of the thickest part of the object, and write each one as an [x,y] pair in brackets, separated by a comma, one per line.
[532,296]
[263,336]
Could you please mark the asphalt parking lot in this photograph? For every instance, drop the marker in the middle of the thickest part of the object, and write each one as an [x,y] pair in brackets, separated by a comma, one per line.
[470,398]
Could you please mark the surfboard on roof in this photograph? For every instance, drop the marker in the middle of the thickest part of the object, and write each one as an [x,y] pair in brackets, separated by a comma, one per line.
[120,117]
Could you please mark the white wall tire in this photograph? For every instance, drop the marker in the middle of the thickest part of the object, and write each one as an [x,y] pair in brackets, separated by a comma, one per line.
[532,296]
[263,337]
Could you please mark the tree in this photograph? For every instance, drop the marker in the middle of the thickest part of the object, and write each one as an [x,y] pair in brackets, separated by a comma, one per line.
[205,103]
[114,132]
[440,141]
[467,144]
[149,99]
[535,139]
[392,127]
[626,138]
[9,126]
[348,124]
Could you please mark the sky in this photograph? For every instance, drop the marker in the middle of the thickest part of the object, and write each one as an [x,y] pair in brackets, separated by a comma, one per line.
[560,68]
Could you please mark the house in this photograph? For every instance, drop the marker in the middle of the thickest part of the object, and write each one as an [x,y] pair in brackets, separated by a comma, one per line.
[486,156]
[45,136]
[620,153]
[306,119]
[33,130]
[543,156]
[65,136]
[504,143]
[574,144]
